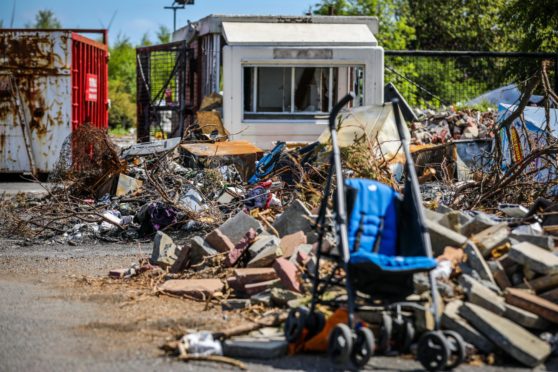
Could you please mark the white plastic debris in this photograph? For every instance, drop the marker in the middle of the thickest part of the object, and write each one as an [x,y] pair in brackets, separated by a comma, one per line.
[200,344]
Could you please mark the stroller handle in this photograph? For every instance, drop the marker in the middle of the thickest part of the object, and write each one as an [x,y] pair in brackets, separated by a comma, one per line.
[337,108]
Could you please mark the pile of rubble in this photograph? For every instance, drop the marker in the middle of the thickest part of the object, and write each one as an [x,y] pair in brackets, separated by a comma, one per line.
[441,127]
[245,245]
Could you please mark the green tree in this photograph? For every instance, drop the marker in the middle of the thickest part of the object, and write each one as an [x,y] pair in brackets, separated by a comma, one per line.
[163,34]
[145,40]
[122,82]
[45,19]
[535,24]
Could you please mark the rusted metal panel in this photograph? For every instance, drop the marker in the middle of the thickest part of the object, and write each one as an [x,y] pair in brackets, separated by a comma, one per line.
[36,94]
[38,65]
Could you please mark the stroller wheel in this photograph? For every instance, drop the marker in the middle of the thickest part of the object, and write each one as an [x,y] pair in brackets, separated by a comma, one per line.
[433,351]
[294,325]
[457,349]
[386,332]
[315,323]
[340,343]
[363,347]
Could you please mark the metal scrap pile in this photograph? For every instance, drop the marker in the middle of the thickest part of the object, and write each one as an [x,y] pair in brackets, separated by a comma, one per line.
[441,127]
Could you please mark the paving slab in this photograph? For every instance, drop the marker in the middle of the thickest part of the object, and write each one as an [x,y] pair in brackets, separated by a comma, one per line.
[455,322]
[493,237]
[199,249]
[200,289]
[477,262]
[534,258]
[236,227]
[526,318]
[480,295]
[511,338]
[441,237]
[296,217]
[266,257]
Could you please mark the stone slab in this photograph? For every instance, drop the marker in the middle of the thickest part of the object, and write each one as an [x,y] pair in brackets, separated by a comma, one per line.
[255,275]
[480,295]
[441,237]
[542,241]
[199,249]
[237,227]
[296,217]
[477,262]
[200,289]
[262,243]
[455,322]
[513,339]
[526,318]
[534,258]
[493,237]
[266,257]
[164,251]
[219,241]
[291,242]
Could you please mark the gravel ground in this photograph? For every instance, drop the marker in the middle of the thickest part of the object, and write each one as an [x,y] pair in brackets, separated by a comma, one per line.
[55,316]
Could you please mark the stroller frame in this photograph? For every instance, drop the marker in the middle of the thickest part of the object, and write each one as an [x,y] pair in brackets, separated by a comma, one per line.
[436,350]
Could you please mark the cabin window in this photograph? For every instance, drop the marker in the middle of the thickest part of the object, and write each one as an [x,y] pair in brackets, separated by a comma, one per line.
[298,92]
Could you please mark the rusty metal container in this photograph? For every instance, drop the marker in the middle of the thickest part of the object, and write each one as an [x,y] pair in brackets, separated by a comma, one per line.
[51,81]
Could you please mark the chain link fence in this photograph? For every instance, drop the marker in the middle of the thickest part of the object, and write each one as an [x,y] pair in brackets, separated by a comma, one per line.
[441,78]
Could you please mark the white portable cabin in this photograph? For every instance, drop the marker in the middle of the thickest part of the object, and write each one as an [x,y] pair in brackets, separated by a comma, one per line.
[280,76]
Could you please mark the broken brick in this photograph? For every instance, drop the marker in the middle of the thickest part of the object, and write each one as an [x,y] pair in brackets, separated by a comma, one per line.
[254,275]
[290,243]
[240,249]
[260,287]
[219,241]
[200,289]
[288,274]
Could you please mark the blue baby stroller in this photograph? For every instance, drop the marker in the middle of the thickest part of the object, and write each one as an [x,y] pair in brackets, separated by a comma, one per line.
[382,242]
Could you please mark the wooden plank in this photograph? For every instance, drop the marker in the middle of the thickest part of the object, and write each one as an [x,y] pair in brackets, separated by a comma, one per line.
[541,284]
[533,303]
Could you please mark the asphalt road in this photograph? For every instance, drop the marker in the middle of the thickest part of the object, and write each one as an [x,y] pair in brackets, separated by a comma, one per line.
[52,319]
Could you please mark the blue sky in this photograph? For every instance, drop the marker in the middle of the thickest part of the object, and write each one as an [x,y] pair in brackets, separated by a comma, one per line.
[135,17]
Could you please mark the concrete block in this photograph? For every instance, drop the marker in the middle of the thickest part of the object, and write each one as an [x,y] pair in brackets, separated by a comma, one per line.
[441,237]
[295,218]
[480,295]
[255,275]
[513,339]
[532,303]
[219,241]
[493,237]
[240,250]
[453,321]
[477,262]
[479,223]
[534,258]
[541,241]
[199,249]
[256,348]
[435,216]
[290,243]
[281,297]
[454,220]
[288,273]
[200,289]
[266,257]
[526,318]
[262,243]
[237,227]
[164,251]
